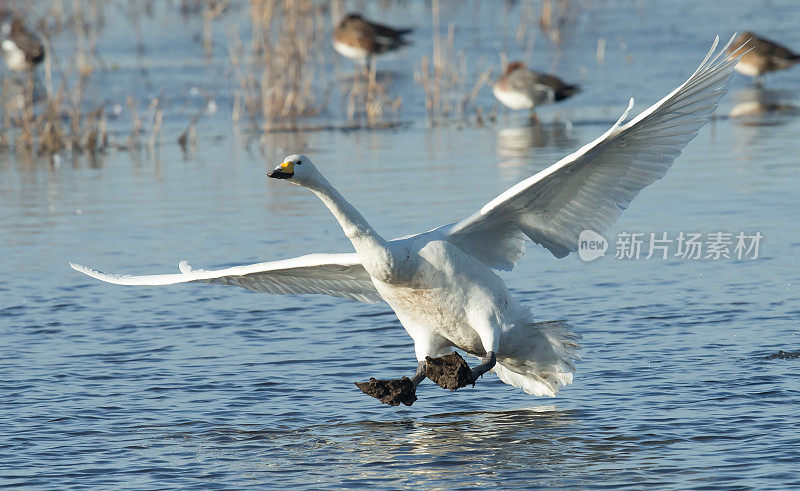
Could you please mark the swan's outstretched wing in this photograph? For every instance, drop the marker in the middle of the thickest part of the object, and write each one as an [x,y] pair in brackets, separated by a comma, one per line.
[589,189]
[339,275]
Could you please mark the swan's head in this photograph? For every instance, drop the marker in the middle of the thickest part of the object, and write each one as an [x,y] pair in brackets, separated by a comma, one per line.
[298,169]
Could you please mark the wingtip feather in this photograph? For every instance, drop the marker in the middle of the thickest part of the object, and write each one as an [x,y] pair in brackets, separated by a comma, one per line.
[80,268]
[88,271]
[624,115]
[742,50]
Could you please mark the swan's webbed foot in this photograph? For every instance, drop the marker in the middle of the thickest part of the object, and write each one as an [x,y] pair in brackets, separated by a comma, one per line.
[452,372]
[394,392]
[449,371]
[391,392]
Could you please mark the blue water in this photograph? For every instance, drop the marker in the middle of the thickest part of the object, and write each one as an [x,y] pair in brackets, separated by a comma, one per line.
[209,386]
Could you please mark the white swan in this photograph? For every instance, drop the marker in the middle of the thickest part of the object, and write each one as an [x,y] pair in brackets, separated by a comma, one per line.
[441,283]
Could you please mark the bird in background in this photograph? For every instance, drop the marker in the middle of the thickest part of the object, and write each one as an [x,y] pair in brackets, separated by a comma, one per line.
[443,284]
[761,56]
[362,40]
[22,50]
[522,88]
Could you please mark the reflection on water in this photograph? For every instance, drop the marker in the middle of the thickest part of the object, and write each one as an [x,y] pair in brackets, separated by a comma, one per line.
[454,433]
[467,448]
[463,447]
[761,115]
[763,107]
[541,444]
[520,142]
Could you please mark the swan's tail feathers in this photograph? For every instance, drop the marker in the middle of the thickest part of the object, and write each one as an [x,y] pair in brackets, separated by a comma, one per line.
[541,359]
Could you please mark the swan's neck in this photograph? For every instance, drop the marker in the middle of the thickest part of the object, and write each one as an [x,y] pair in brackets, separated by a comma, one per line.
[365,239]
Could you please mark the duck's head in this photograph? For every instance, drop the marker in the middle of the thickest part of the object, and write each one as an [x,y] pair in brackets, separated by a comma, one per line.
[297,169]
[514,66]
[351,17]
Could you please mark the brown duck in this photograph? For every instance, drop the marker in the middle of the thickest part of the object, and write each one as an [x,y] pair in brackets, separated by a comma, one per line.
[357,38]
[22,50]
[521,88]
[764,56]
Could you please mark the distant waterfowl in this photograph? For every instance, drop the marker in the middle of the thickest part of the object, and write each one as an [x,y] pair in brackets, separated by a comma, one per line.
[442,283]
[22,50]
[521,88]
[359,39]
[764,56]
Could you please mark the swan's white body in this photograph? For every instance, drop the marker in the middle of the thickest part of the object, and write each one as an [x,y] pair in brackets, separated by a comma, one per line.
[441,283]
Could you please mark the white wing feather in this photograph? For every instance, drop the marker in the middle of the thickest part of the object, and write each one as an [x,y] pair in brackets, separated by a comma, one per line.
[588,189]
[339,275]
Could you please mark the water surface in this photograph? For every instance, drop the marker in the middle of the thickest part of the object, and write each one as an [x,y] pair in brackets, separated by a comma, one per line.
[196,385]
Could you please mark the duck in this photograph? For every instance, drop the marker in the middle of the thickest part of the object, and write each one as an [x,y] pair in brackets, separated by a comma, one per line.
[360,39]
[444,285]
[22,49]
[762,56]
[522,88]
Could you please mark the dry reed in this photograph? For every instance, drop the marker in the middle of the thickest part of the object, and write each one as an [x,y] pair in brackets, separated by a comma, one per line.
[48,117]
[445,78]
[277,75]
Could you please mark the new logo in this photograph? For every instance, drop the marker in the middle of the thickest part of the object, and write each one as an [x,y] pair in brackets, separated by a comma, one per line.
[591,245]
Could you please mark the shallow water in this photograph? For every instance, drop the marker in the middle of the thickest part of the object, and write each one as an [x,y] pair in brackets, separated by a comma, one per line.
[195,385]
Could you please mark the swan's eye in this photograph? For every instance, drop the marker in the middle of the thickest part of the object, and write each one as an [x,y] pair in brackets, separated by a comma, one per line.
[298,162]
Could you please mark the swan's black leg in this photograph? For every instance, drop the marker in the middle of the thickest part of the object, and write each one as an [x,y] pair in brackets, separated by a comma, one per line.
[452,372]
[419,376]
[395,392]
[487,363]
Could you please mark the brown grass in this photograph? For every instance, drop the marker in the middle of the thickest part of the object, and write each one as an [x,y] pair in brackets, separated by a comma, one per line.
[445,78]
[276,73]
[66,118]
